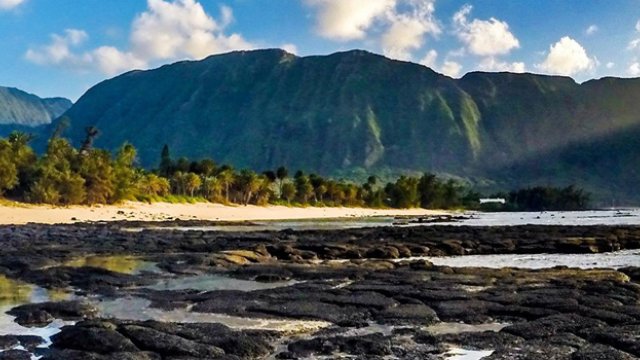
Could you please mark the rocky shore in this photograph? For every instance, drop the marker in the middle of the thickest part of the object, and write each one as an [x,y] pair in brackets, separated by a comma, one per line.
[358,293]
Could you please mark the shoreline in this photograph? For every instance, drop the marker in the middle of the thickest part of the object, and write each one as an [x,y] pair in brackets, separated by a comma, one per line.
[20,214]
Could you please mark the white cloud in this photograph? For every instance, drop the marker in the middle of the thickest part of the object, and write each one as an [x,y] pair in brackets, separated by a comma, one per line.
[635,43]
[10,4]
[484,37]
[407,30]
[181,29]
[610,65]
[592,29]
[399,26]
[59,51]
[167,30]
[634,69]
[290,48]
[493,64]
[567,57]
[430,60]
[346,20]
[451,68]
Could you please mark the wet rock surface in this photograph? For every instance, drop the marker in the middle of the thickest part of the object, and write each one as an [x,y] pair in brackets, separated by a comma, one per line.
[375,304]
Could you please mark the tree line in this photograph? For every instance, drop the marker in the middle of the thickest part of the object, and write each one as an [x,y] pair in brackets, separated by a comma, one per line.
[64,175]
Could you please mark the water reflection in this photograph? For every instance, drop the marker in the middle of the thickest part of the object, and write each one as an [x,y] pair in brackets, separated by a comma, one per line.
[457,328]
[138,309]
[464,354]
[211,282]
[14,292]
[611,260]
[130,265]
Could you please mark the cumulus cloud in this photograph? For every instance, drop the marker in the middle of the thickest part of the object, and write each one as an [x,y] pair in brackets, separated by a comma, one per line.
[610,65]
[167,30]
[635,43]
[182,29]
[430,60]
[448,67]
[451,68]
[484,37]
[400,26]
[634,69]
[290,48]
[592,29]
[567,57]
[10,4]
[493,64]
[407,30]
[346,20]
[60,52]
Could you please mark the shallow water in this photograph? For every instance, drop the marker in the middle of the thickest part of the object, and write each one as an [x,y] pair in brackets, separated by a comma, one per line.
[596,217]
[121,264]
[211,282]
[613,260]
[463,354]
[457,328]
[14,293]
[278,225]
[138,309]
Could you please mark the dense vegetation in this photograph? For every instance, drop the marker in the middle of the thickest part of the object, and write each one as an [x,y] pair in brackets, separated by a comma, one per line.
[64,175]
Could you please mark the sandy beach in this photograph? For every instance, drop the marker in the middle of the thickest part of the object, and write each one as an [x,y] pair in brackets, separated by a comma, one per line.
[21,214]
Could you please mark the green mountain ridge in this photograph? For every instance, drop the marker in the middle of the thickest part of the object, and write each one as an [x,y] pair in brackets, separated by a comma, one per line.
[355,109]
[21,109]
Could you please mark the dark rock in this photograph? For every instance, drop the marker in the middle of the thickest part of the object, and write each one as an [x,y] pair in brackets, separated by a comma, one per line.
[552,325]
[43,313]
[15,355]
[368,346]
[166,344]
[600,352]
[93,339]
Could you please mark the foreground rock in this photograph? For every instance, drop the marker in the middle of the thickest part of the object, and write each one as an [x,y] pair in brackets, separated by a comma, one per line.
[44,313]
[377,307]
[153,340]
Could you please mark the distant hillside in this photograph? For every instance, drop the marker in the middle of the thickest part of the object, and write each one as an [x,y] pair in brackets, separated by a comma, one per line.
[23,109]
[354,110]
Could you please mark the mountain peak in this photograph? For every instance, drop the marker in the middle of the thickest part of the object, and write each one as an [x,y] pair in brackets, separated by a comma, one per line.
[18,107]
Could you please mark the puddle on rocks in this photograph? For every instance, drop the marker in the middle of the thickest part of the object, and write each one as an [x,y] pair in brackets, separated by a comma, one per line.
[138,309]
[278,225]
[211,282]
[457,328]
[463,354]
[14,293]
[613,260]
[130,265]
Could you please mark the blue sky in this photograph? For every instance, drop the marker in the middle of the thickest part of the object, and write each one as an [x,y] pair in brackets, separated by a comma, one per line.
[63,47]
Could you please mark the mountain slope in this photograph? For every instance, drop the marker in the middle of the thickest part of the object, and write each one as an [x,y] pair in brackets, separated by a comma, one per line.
[266,108]
[23,109]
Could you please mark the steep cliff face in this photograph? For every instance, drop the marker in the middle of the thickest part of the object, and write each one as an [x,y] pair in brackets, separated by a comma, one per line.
[266,108]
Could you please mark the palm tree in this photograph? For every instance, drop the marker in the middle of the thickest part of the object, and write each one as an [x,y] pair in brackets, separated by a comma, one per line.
[226,178]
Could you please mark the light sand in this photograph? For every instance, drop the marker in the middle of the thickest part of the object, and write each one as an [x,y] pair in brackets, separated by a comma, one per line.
[22,214]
